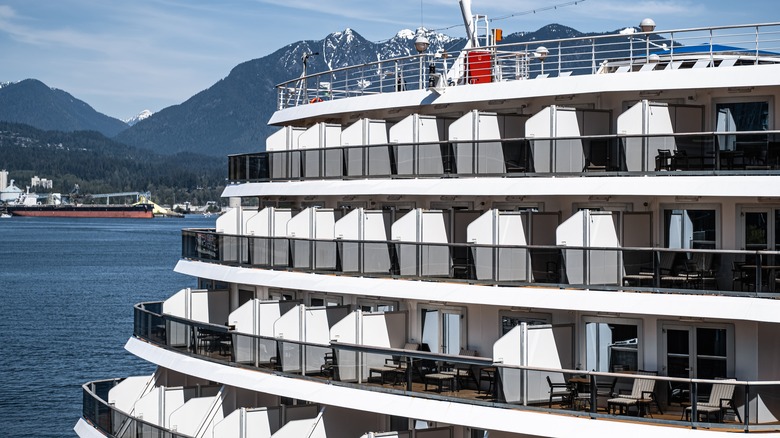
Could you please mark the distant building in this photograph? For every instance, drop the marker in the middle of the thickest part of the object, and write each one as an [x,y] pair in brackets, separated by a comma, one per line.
[3,179]
[41,182]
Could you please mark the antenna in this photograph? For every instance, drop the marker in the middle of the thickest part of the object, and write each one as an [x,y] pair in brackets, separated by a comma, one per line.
[533,11]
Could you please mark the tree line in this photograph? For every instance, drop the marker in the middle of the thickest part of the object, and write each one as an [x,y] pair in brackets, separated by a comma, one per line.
[101,165]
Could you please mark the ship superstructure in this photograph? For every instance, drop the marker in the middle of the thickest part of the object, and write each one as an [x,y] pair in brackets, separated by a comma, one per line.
[557,238]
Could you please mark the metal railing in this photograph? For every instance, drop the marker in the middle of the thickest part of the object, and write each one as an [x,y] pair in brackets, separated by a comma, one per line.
[753,43]
[690,271]
[709,153]
[473,380]
[104,417]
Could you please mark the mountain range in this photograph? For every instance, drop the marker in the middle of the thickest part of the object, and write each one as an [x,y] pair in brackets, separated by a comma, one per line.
[230,116]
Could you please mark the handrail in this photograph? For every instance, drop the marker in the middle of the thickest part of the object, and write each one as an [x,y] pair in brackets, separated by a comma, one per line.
[108,419]
[643,270]
[309,353]
[515,61]
[708,152]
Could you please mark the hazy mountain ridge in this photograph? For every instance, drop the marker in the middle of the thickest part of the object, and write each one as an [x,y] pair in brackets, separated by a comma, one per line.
[33,103]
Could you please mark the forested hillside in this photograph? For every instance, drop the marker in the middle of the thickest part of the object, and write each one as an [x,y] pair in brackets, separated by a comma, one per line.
[100,165]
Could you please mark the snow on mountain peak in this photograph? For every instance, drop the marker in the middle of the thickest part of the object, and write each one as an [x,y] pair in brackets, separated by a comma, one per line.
[145,114]
[405,34]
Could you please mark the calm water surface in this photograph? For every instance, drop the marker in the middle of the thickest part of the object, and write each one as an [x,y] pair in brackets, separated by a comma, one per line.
[67,290]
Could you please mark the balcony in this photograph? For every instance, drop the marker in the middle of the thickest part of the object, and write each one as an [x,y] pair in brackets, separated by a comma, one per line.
[688,271]
[711,153]
[478,381]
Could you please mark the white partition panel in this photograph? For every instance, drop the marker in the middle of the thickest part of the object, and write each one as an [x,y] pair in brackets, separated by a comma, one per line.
[547,347]
[177,304]
[284,164]
[564,155]
[364,226]
[313,223]
[227,223]
[499,228]
[422,226]
[307,428]
[591,229]
[346,330]
[245,422]
[124,395]
[156,405]
[482,157]
[366,161]
[209,306]
[190,417]
[508,350]
[386,330]
[288,326]
[412,130]
[644,118]
[319,162]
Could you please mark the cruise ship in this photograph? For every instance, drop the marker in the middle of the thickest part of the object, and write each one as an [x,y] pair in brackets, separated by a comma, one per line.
[560,238]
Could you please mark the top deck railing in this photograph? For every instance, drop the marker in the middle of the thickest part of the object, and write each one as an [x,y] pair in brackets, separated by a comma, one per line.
[751,44]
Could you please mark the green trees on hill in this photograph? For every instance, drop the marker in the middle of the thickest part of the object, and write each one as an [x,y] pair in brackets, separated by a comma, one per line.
[100,165]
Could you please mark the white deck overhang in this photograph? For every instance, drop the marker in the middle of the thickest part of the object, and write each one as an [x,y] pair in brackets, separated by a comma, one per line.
[530,297]
[482,417]
[701,186]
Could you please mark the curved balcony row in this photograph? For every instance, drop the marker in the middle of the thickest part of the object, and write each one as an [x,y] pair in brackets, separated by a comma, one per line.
[111,421]
[723,272]
[667,154]
[637,396]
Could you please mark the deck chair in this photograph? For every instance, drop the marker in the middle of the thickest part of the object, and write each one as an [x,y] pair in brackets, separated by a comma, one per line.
[643,390]
[560,391]
[721,400]
[394,366]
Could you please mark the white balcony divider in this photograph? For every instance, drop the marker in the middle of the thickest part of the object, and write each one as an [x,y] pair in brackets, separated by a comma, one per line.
[269,222]
[543,346]
[422,226]
[202,305]
[496,227]
[197,416]
[313,223]
[285,139]
[256,317]
[253,422]
[124,395]
[321,163]
[317,323]
[306,428]
[290,326]
[370,161]
[348,331]
[230,223]
[556,155]
[412,130]
[483,157]
[588,228]
[645,118]
[364,226]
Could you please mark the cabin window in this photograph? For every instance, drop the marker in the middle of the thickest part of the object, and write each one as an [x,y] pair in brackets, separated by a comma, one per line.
[281,295]
[377,306]
[510,320]
[443,330]
[690,228]
[322,300]
[612,345]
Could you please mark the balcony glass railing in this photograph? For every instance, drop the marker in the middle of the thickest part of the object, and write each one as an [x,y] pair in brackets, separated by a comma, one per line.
[739,273]
[104,417]
[696,153]
[656,399]
[753,44]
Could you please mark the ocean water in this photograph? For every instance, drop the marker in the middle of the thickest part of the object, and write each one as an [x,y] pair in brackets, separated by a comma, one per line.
[67,290]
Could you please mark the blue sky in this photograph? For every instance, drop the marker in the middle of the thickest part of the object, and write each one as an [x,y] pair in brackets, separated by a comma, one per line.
[123,56]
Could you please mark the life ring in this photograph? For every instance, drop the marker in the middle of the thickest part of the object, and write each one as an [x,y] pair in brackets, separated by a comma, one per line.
[315,100]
